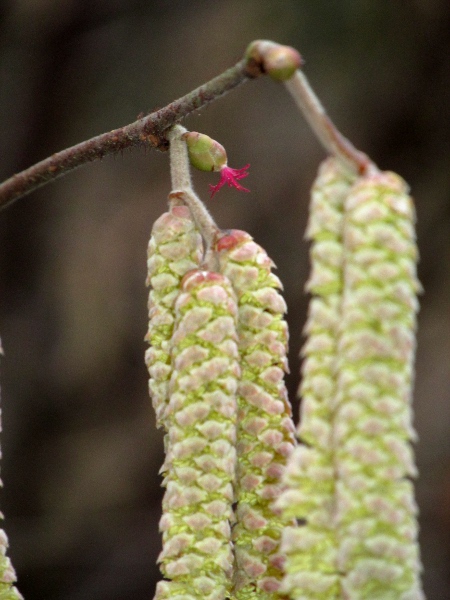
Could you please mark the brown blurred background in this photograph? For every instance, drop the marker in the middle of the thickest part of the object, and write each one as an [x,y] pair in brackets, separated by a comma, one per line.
[81,452]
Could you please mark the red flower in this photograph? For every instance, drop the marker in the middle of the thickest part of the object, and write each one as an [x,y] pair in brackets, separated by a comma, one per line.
[230,176]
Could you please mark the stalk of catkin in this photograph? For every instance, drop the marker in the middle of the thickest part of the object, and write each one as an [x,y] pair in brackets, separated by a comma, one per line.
[8,578]
[200,463]
[375,510]
[311,548]
[265,427]
[175,248]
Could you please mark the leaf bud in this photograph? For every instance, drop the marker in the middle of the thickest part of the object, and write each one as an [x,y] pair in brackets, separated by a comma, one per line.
[279,62]
[205,153]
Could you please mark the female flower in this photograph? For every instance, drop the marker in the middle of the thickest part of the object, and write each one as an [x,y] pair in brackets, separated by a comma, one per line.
[208,155]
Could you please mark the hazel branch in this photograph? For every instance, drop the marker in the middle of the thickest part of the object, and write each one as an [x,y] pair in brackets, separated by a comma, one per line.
[148,131]
[281,63]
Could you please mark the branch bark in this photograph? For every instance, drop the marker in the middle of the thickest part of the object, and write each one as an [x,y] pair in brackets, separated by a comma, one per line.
[261,57]
[148,131]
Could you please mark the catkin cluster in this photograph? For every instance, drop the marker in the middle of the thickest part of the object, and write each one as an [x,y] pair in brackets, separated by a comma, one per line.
[248,513]
[216,362]
[349,481]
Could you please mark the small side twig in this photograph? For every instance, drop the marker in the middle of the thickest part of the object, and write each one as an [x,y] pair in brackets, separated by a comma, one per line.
[183,192]
[327,133]
[180,171]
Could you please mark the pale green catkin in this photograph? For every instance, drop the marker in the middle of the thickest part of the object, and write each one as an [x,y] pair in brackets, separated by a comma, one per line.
[311,549]
[265,427]
[175,248]
[376,515]
[200,464]
[8,591]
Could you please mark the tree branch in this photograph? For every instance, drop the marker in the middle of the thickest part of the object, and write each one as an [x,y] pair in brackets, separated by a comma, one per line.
[148,131]
[262,56]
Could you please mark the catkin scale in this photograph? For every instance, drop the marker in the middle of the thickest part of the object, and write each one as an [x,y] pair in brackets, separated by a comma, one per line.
[175,248]
[311,564]
[265,428]
[200,464]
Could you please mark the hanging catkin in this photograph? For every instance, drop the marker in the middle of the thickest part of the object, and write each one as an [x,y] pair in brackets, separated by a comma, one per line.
[175,248]
[201,422]
[376,514]
[8,578]
[311,567]
[265,428]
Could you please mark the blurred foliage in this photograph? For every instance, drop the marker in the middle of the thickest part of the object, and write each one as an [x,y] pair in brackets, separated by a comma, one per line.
[81,453]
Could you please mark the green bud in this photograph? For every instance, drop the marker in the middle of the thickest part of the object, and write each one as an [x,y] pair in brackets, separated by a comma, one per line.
[279,62]
[205,153]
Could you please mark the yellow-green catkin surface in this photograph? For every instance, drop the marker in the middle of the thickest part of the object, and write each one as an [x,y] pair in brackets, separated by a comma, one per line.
[175,248]
[378,554]
[265,427]
[8,591]
[311,549]
[200,465]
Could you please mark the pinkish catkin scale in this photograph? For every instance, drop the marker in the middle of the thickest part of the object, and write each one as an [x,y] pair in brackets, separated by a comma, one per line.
[311,565]
[175,248]
[265,428]
[375,512]
[200,463]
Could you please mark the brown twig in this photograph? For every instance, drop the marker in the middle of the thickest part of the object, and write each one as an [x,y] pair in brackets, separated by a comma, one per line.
[148,131]
[262,56]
